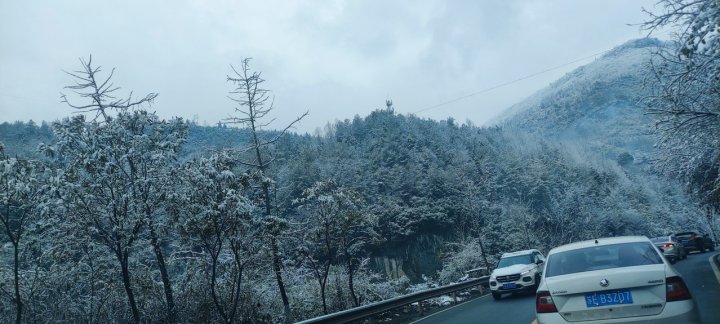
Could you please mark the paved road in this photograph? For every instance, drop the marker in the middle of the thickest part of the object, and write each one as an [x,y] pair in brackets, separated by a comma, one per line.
[520,309]
[703,284]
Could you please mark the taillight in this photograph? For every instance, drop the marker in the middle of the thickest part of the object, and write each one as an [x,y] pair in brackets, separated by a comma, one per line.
[692,238]
[668,245]
[544,302]
[676,289]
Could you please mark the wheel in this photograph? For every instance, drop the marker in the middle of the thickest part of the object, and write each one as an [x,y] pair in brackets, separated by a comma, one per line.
[537,281]
[712,248]
[496,296]
[672,260]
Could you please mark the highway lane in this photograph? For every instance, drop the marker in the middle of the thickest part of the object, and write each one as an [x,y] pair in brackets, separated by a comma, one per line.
[703,284]
[520,309]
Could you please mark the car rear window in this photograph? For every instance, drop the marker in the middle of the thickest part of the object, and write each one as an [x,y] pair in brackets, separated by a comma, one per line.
[660,239]
[684,235]
[602,257]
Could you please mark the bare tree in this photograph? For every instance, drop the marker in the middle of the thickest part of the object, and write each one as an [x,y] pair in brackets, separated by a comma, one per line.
[254,104]
[686,79]
[100,93]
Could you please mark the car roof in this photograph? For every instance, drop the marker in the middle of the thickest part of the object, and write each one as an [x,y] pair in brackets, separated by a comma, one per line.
[661,238]
[523,252]
[600,242]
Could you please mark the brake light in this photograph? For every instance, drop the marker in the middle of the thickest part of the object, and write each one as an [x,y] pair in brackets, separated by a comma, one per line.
[668,245]
[676,289]
[544,302]
[692,238]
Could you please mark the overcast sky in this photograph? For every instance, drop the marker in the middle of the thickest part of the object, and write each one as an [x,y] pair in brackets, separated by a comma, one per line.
[336,59]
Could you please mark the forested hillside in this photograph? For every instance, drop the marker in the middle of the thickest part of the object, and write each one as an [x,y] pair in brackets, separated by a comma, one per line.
[428,190]
[128,217]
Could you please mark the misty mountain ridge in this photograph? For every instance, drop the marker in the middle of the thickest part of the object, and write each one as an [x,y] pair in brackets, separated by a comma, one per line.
[596,105]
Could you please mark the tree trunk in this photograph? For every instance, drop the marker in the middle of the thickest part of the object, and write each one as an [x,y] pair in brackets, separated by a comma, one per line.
[323,283]
[164,275]
[238,280]
[351,286]
[482,249]
[213,280]
[16,272]
[123,258]
[278,276]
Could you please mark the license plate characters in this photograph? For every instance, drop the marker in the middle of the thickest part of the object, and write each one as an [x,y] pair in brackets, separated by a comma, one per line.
[612,297]
[509,285]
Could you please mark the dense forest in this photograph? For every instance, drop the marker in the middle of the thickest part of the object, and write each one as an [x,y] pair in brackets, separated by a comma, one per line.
[116,215]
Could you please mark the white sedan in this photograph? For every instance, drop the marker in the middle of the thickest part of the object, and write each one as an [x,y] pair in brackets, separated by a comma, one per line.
[612,280]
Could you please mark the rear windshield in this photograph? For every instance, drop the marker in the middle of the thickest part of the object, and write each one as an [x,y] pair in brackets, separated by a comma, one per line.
[513,260]
[684,235]
[602,257]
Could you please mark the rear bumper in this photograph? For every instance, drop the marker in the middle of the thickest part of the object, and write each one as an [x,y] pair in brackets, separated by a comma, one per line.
[674,255]
[693,247]
[684,311]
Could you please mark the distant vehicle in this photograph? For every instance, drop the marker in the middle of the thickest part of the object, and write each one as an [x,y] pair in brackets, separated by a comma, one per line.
[517,271]
[710,241]
[672,249]
[695,242]
[611,280]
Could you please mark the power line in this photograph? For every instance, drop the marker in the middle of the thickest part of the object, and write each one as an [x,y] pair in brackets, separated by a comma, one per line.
[508,83]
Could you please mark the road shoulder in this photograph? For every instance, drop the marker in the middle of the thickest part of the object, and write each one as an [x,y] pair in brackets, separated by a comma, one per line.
[715,264]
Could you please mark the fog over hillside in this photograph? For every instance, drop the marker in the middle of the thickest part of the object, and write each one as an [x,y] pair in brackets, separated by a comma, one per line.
[597,106]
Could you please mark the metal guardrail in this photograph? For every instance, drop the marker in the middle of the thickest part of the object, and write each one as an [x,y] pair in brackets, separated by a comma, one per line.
[380,307]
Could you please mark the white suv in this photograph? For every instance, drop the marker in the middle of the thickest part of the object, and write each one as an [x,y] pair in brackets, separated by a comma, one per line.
[517,271]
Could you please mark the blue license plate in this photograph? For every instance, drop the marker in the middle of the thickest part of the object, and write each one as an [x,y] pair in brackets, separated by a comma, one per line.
[509,285]
[611,297]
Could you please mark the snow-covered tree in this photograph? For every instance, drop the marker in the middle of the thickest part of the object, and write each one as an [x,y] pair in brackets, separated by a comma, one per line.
[25,197]
[254,104]
[336,228]
[116,168]
[214,214]
[687,97]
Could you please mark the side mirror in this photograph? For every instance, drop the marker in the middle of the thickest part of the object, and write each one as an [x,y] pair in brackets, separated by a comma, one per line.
[539,262]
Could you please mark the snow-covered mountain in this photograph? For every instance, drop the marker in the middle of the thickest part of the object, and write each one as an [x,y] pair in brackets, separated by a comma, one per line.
[597,105]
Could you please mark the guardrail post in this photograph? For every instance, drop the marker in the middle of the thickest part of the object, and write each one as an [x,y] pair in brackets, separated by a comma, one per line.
[420,308]
[454,295]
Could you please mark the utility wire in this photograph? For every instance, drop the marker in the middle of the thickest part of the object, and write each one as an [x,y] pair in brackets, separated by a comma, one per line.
[507,83]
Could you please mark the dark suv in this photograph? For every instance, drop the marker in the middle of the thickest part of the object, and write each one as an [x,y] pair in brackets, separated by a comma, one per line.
[693,241]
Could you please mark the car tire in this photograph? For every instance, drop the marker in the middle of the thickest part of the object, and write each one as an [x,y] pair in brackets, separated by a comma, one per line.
[496,296]
[537,281]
